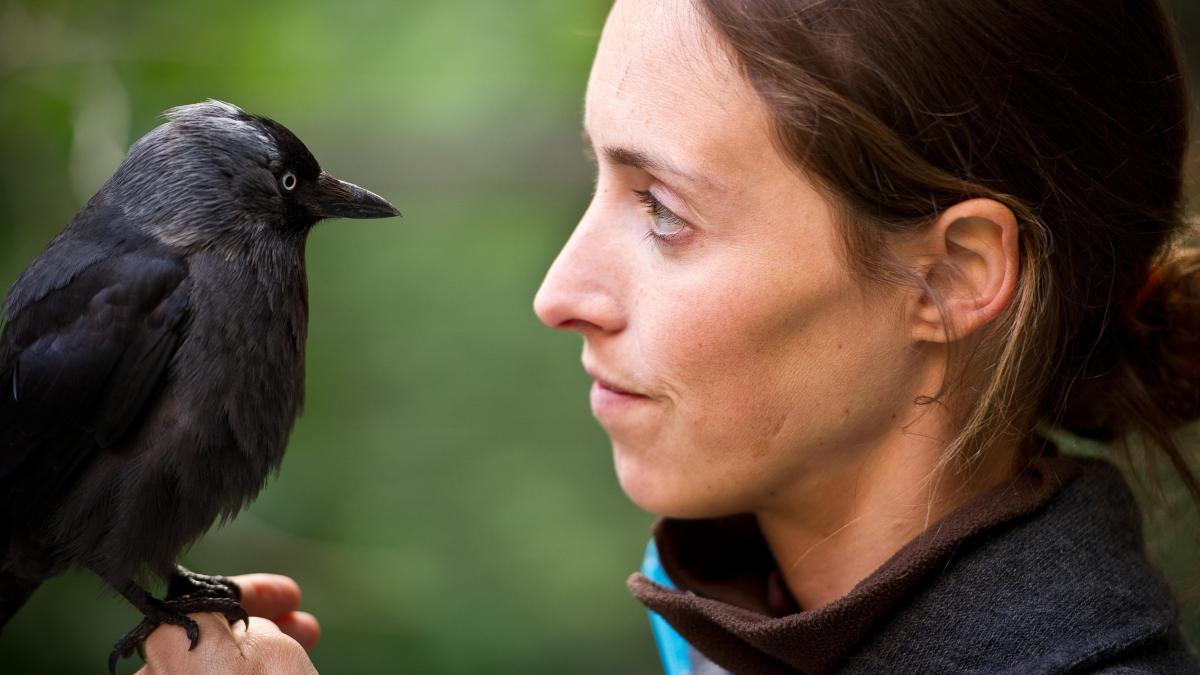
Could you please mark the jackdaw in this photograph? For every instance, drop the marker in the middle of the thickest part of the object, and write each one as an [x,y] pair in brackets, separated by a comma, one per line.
[152,361]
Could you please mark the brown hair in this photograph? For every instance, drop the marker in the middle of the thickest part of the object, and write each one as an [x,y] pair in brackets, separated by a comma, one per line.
[1073,113]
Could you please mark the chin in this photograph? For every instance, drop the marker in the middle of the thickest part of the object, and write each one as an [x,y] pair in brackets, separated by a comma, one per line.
[667,491]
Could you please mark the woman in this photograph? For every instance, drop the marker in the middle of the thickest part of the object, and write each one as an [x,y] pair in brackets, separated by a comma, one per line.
[844,259]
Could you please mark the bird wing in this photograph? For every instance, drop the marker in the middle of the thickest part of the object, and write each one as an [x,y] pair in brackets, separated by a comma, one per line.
[80,362]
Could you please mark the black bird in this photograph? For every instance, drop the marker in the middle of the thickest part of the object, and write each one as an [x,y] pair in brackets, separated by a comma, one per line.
[152,361]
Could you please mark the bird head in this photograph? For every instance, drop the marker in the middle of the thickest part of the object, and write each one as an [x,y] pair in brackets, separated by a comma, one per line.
[216,175]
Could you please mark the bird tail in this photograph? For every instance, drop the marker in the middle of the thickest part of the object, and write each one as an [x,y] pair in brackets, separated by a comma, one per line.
[14,591]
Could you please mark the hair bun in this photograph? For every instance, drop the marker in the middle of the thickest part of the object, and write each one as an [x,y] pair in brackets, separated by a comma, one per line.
[1152,384]
[1164,353]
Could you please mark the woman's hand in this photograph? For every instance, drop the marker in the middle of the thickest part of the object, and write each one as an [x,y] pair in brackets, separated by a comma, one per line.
[276,641]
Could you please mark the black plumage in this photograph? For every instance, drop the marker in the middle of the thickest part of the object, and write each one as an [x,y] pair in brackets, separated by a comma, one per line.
[152,360]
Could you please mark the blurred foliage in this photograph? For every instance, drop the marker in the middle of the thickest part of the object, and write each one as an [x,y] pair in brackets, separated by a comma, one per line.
[447,502]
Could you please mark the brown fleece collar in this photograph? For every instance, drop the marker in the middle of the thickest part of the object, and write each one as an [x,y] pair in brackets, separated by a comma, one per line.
[733,606]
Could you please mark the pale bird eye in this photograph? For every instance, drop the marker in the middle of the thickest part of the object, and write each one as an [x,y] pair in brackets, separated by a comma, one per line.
[289,181]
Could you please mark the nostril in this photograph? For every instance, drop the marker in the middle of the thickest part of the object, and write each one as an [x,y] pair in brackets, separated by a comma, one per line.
[576,324]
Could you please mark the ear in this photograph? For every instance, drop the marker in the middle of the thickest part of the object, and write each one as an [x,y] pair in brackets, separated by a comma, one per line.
[970,259]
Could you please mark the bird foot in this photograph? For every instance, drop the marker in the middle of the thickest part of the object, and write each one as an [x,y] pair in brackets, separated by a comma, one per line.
[186,583]
[174,612]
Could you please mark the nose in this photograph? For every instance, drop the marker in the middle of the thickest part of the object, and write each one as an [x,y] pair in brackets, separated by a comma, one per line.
[581,290]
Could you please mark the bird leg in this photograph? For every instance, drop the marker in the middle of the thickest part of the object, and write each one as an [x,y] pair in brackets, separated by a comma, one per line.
[155,613]
[174,611]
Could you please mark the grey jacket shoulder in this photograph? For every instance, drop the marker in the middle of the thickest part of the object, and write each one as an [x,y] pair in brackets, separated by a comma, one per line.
[1167,654]
[1067,589]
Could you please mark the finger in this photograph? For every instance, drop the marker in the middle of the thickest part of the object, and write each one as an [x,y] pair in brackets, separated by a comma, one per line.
[264,648]
[268,595]
[168,649]
[302,627]
[222,648]
[258,625]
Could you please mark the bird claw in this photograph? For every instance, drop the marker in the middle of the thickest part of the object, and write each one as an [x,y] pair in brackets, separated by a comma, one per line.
[234,613]
[175,612]
[135,639]
[186,583]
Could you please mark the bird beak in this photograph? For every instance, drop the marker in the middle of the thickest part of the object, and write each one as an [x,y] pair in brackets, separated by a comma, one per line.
[339,199]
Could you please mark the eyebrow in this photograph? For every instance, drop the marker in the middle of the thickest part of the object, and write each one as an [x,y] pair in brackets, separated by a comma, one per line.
[638,159]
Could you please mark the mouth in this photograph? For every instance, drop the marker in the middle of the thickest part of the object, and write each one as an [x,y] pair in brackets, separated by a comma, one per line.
[607,397]
[339,199]
[610,387]
[610,383]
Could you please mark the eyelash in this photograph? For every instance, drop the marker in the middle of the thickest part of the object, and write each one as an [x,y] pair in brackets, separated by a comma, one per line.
[660,213]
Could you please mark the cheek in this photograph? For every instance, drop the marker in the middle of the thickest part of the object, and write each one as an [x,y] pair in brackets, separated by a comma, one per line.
[739,357]
[761,383]
[724,360]
[707,357]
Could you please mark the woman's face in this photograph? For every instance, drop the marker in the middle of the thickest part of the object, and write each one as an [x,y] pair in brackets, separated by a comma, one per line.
[736,362]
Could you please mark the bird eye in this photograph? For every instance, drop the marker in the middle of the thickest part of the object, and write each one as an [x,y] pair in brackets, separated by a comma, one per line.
[288,181]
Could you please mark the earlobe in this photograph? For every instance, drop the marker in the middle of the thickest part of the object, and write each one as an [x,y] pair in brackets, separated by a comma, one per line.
[972,260]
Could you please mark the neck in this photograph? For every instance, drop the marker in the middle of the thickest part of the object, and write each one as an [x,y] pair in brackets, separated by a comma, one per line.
[828,535]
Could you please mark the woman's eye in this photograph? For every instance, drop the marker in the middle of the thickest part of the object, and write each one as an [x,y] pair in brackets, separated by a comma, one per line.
[288,181]
[667,227]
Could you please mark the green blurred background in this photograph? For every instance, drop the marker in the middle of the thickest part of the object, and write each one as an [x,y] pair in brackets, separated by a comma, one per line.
[447,503]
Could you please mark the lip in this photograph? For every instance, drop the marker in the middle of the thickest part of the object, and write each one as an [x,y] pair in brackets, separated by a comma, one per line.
[607,397]
[610,383]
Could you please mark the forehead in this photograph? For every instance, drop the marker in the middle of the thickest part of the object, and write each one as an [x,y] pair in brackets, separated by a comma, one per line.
[291,149]
[663,79]
[249,136]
